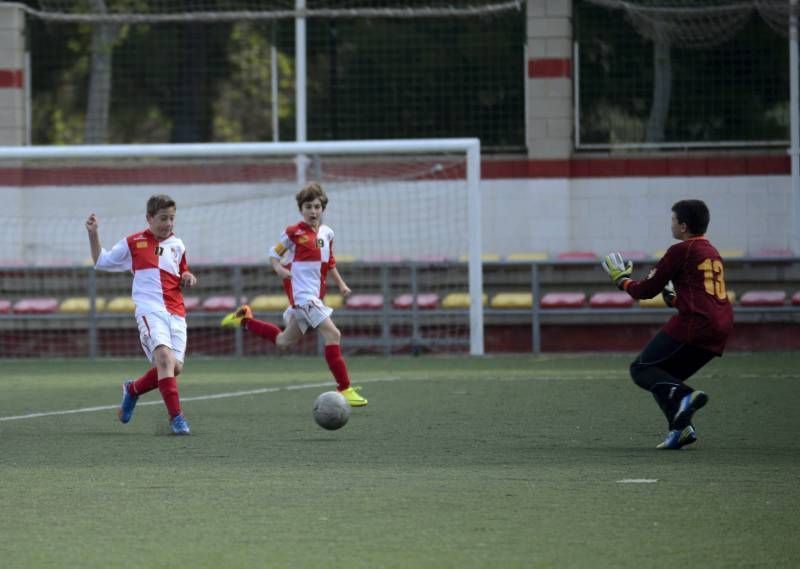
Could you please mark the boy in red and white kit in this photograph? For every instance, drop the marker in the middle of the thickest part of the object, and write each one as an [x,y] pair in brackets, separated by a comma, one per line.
[157,259]
[696,334]
[307,248]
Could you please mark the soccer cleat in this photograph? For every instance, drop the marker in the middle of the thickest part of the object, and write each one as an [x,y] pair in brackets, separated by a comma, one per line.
[125,411]
[677,439]
[234,319]
[690,404]
[353,397]
[179,425]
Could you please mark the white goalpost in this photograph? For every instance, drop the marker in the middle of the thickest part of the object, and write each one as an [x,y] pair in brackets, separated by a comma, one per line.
[406,215]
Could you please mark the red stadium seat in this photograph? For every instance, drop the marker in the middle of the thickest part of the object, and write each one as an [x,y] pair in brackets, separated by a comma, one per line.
[763,298]
[563,300]
[774,253]
[220,304]
[36,306]
[365,301]
[796,299]
[191,303]
[426,301]
[5,306]
[577,256]
[614,299]
[635,255]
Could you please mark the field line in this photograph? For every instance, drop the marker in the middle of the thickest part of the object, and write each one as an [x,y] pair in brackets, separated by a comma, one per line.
[225,395]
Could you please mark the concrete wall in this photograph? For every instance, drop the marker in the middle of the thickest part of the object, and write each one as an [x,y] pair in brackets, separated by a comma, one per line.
[13,128]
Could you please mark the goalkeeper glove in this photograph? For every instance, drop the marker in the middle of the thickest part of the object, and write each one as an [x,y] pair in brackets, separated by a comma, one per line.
[668,294]
[617,268]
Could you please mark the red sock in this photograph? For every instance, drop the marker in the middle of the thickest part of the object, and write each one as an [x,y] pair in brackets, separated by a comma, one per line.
[263,329]
[148,382]
[168,387]
[333,355]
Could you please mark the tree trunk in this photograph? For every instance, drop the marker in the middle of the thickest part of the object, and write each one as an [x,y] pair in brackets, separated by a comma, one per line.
[96,127]
[662,91]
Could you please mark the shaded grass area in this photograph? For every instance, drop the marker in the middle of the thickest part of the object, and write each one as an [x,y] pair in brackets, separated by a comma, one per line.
[456,462]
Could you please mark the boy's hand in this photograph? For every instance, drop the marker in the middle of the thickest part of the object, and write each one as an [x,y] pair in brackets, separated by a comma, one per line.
[92,223]
[617,268]
[345,290]
[188,280]
[283,272]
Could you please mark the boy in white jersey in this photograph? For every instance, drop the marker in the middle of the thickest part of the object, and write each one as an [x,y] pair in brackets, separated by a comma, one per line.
[157,259]
[307,249]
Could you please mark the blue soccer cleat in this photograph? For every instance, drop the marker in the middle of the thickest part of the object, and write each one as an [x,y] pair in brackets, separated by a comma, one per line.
[125,411]
[179,425]
[690,404]
[677,439]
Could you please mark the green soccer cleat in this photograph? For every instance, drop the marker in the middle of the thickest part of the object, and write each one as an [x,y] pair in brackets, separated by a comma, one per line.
[353,397]
[234,319]
[678,439]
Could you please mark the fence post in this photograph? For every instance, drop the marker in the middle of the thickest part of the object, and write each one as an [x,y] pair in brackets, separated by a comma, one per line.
[536,328]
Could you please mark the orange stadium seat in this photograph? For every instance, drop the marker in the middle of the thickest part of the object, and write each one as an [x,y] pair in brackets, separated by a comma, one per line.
[563,300]
[36,306]
[80,305]
[220,304]
[613,299]
[425,301]
[512,300]
[460,300]
[365,301]
[763,298]
[121,304]
[269,302]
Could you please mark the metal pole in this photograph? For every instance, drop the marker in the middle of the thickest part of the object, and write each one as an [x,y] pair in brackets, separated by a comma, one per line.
[386,325]
[238,291]
[300,88]
[273,77]
[93,343]
[536,325]
[475,244]
[794,98]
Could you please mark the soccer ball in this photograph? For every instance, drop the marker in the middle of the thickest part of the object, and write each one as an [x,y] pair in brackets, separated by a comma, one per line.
[331,410]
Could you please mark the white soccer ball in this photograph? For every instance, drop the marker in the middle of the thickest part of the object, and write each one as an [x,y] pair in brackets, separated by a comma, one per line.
[331,410]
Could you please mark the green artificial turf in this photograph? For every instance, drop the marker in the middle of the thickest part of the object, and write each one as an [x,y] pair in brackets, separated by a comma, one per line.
[456,462]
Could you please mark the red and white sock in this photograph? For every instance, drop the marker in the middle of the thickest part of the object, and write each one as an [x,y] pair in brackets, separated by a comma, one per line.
[148,382]
[168,386]
[263,329]
[333,355]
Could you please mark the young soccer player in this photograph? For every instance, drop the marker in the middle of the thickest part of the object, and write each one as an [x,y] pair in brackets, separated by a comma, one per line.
[157,259]
[695,335]
[307,248]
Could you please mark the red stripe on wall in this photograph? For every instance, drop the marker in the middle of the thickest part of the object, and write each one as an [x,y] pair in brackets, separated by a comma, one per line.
[549,68]
[491,169]
[11,78]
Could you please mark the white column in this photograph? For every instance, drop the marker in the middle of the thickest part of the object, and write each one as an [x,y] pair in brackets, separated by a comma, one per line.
[13,98]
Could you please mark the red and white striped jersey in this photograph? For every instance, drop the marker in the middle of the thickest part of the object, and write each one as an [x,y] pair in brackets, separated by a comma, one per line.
[308,254]
[156,266]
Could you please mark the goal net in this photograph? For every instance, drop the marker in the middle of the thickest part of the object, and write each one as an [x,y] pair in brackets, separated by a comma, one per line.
[405,214]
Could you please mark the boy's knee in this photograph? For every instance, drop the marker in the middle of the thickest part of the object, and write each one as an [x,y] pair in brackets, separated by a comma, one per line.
[638,374]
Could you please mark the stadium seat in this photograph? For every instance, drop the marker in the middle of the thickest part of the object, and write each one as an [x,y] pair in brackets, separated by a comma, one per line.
[220,304]
[485,257]
[731,253]
[510,300]
[5,306]
[531,256]
[577,256]
[191,303]
[655,302]
[80,305]
[763,298]
[269,302]
[563,300]
[460,300]
[773,253]
[36,306]
[120,304]
[334,301]
[364,301]
[425,301]
[635,255]
[731,297]
[795,299]
[345,258]
[613,299]
[659,253]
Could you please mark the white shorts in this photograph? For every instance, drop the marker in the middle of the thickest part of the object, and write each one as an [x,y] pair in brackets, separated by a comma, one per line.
[162,329]
[312,313]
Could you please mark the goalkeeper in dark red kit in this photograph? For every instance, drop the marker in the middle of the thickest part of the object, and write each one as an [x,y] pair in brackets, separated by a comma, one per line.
[694,336]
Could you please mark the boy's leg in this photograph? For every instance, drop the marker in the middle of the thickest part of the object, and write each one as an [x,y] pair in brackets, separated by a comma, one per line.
[132,389]
[662,368]
[335,361]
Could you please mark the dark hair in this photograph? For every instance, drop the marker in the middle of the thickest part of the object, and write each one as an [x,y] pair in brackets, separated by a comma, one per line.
[309,193]
[157,202]
[694,213]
